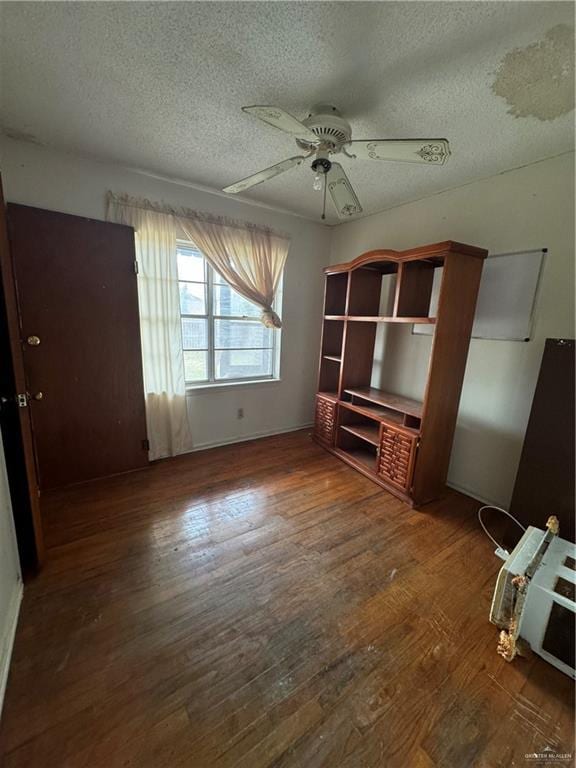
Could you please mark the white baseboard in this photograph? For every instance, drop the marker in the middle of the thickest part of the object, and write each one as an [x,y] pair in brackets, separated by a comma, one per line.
[7,639]
[246,438]
[240,439]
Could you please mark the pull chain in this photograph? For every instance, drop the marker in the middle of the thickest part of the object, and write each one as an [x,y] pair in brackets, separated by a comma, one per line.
[324,201]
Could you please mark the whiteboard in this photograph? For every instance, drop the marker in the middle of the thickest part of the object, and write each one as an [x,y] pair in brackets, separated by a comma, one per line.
[506,299]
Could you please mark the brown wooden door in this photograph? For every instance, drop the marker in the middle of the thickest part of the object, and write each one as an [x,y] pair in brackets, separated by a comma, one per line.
[15,415]
[77,294]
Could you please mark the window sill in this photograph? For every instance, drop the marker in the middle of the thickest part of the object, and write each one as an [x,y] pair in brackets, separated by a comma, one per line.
[202,388]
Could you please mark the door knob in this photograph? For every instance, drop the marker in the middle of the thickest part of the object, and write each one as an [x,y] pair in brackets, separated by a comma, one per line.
[38,396]
[33,341]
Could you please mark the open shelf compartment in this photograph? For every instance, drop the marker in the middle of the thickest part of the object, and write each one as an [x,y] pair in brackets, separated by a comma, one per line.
[384,406]
[360,425]
[329,376]
[357,449]
[414,290]
[332,335]
[336,292]
[388,292]
[331,355]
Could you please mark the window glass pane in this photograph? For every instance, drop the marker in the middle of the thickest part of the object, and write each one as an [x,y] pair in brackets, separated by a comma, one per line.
[216,276]
[228,302]
[191,265]
[192,298]
[242,363]
[240,334]
[195,366]
[194,333]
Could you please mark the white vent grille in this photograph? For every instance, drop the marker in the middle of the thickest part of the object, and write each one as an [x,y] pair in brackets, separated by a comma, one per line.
[330,133]
[330,127]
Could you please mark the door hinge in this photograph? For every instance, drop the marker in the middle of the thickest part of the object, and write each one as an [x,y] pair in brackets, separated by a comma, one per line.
[135,267]
[145,445]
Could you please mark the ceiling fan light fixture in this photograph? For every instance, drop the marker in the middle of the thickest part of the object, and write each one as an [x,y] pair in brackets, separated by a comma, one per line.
[321,163]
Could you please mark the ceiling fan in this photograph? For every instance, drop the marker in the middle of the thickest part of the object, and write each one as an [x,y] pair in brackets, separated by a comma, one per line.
[325,133]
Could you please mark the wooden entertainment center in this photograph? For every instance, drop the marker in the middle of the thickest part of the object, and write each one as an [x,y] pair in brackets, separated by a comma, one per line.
[402,443]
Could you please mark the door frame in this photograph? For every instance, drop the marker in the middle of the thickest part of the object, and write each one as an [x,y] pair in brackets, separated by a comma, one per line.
[15,418]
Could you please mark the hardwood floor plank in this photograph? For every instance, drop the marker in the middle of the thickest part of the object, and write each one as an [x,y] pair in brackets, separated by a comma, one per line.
[264,606]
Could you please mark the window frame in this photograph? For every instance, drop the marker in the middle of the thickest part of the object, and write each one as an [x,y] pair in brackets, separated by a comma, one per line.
[210,317]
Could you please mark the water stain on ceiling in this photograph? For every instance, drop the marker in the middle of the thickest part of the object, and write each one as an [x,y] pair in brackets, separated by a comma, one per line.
[538,80]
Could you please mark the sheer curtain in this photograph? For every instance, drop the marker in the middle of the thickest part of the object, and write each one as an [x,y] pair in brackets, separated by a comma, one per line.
[250,259]
[159,303]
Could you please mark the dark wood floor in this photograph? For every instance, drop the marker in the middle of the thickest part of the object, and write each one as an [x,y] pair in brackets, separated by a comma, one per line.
[263,605]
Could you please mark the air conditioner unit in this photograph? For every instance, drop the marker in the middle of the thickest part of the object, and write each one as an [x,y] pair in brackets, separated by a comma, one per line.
[535,598]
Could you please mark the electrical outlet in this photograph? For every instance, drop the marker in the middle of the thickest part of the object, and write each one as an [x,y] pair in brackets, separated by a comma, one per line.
[240,413]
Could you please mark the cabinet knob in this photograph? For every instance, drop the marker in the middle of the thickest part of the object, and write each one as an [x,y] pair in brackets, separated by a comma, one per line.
[33,341]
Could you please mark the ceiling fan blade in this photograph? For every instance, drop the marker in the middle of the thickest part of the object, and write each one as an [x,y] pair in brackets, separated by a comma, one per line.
[426,151]
[341,192]
[268,173]
[285,122]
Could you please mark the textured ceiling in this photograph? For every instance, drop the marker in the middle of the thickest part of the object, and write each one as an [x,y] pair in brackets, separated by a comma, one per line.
[159,86]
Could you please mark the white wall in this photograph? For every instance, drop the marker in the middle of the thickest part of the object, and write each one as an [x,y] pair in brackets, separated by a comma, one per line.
[44,178]
[528,208]
[10,580]
[531,207]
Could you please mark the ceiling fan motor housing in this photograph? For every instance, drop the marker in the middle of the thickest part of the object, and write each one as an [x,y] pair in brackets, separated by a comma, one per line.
[327,123]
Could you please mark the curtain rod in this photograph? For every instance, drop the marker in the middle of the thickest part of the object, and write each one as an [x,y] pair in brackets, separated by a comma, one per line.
[145,204]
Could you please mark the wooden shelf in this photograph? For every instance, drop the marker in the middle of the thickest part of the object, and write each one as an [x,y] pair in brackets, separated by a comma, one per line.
[379,319]
[369,433]
[388,400]
[382,319]
[329,395]
[364,457]
[334,358]
[375,412]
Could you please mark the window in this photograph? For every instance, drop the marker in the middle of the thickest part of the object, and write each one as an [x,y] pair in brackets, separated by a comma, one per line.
[222,337]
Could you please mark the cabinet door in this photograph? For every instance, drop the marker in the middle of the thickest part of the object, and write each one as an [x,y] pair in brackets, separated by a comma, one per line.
[396,456]
[325,420]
